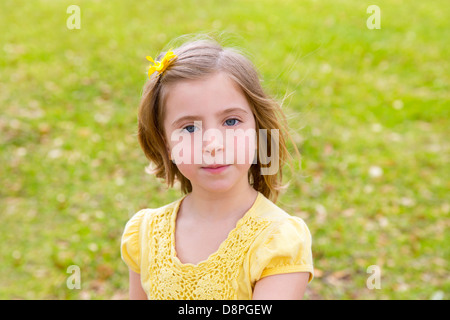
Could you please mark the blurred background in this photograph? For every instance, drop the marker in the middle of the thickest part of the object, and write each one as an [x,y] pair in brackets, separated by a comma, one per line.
[368,110]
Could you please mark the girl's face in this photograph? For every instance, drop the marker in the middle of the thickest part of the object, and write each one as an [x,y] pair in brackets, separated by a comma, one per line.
[209,123]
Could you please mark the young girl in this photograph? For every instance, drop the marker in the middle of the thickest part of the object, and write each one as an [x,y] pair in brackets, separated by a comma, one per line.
[225,238]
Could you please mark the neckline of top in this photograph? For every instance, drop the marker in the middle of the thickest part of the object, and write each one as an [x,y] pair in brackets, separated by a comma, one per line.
[222,246]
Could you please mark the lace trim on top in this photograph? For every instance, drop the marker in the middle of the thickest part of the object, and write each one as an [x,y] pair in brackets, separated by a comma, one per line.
[213,278]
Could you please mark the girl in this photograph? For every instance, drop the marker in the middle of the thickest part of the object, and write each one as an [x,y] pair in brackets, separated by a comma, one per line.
[225,238]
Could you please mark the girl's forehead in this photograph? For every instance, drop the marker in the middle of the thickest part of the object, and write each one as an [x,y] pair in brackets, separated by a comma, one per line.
[209,95]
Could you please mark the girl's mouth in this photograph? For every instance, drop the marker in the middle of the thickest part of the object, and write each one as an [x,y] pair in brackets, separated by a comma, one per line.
[216,168]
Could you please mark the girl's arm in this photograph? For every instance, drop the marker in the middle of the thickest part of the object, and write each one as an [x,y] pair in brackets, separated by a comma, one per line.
[287,286]
[136,291]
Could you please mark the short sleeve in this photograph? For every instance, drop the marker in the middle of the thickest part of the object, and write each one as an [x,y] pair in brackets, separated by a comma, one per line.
[130,246]
[285,247]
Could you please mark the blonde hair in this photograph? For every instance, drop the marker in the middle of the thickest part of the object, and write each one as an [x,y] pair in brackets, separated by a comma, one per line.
[197,59]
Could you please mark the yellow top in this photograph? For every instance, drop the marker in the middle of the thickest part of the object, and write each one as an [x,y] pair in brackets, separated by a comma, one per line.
[265,241]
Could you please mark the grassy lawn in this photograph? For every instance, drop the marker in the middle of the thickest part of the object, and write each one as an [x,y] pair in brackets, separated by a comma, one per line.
[368,109]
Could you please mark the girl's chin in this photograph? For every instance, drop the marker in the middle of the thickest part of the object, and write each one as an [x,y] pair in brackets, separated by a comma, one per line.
[218,187]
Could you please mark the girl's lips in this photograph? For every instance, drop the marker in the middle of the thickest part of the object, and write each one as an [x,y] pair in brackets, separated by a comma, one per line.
[216,169]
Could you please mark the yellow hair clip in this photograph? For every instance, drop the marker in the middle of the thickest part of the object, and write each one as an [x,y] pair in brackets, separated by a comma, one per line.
[162,65]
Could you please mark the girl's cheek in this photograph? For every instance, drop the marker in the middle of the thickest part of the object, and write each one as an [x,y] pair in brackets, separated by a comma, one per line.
[244,146]
[182,149]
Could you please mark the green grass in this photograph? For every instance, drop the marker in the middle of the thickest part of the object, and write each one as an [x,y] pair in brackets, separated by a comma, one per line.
[72,173]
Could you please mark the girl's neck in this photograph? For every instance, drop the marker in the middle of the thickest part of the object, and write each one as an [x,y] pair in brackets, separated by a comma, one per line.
[232,204]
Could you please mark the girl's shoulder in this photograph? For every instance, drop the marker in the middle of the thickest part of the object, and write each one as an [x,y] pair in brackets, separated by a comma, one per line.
[270,212]
[137,229]
[283,246]
[148,215]
[279,224]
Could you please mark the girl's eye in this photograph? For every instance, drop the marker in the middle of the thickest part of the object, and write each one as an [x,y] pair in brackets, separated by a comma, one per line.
[189,129]
[231,123]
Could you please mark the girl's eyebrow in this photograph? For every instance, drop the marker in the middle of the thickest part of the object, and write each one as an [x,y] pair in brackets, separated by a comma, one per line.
[194,117]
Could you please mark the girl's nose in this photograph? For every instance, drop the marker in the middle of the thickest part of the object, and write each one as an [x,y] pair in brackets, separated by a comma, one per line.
[213,147]
[213,142]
